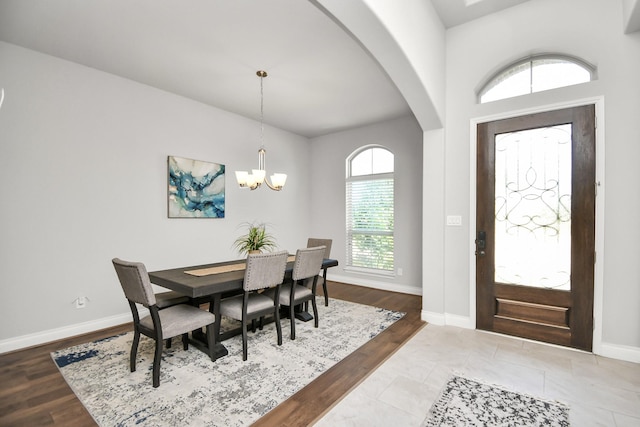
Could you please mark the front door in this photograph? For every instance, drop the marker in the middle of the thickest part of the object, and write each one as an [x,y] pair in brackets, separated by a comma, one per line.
[535,243]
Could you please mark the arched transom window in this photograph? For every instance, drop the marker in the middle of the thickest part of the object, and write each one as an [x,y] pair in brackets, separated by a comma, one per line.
[535,74]
[370,206]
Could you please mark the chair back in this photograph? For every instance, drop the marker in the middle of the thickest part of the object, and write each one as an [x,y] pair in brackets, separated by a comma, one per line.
[308,262]
[265,270]
[313,243]
[135,282]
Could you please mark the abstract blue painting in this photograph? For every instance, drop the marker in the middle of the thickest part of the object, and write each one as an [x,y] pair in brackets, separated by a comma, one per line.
[196,189]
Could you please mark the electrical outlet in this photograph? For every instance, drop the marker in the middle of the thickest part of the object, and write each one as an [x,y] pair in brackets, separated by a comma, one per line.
[81,302]
[400,271]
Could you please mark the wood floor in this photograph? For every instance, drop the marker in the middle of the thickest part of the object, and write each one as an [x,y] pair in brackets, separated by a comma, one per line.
[33,393]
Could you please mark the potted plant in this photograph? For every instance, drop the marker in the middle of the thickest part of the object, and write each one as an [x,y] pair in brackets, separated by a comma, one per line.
[255,240]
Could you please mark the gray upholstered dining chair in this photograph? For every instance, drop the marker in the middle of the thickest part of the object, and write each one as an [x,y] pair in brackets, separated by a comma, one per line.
[312,243]
[306,266]
[262,271]
[167,299]
[160,324]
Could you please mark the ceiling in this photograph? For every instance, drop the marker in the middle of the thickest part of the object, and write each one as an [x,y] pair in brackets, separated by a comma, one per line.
[456,12]
[320,80]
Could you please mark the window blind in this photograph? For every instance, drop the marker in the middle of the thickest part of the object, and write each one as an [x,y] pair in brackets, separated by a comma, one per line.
[370,222]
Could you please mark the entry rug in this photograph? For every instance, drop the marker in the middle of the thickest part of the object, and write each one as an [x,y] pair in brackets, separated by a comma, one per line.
[465,402]
[228,392]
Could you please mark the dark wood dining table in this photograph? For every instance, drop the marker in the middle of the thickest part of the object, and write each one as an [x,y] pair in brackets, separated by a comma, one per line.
[211,282]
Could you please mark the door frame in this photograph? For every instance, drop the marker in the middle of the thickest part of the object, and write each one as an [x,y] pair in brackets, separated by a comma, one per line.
[598,285]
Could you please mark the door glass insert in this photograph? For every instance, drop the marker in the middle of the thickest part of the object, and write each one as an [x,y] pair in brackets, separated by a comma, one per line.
[533,207]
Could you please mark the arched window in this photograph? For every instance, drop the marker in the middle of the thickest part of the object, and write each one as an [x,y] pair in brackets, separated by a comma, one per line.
[535,74]
[370,206]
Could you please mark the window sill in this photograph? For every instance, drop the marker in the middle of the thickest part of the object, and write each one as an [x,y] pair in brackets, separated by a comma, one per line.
[370,271]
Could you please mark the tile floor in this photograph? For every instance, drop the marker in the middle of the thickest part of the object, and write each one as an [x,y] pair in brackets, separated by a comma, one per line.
[599,391]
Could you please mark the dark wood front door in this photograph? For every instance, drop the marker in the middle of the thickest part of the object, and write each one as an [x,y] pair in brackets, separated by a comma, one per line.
[535,247]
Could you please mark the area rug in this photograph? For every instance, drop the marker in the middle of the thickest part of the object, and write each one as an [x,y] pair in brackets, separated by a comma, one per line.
[465,402]
[229,392]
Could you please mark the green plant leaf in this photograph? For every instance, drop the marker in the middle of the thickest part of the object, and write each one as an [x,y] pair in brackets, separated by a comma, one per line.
[256,238]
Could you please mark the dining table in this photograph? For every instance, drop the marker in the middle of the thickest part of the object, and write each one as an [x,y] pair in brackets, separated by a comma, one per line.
[212,282]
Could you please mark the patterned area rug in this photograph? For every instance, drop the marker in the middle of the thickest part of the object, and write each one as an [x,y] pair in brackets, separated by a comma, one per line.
[195,391]
[465,402]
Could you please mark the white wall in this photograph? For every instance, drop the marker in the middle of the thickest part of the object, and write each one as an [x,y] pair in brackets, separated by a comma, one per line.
[401,136]
[433,231]
[84,179]
[407,40]
[416,27]
[631,15]
[591,30]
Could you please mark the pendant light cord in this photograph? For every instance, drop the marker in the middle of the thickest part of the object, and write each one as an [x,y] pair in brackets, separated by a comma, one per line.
[261,112]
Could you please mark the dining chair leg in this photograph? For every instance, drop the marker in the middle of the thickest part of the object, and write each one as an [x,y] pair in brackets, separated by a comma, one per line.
[278,326]
[292,318]
[134,351]
[324,289]
[156,364]
[185,341]
[244,341]
[315,311]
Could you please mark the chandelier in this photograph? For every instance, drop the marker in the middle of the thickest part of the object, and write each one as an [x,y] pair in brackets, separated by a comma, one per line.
[255,179]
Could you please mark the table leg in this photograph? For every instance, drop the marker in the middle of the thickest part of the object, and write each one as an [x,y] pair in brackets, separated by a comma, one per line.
[214,307]
[200,338]
[301,314]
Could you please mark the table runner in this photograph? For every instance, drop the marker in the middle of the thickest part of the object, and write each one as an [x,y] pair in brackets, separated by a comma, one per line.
[224,268]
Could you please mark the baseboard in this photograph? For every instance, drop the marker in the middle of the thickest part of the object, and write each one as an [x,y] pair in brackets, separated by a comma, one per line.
[385,286]
[43,337]
[459,321]
[433,318]
[620,352]
[442,319]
